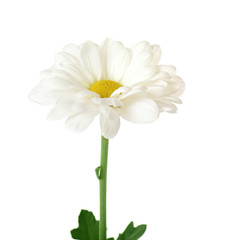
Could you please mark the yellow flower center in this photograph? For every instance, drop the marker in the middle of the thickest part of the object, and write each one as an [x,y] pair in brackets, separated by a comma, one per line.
[105,87]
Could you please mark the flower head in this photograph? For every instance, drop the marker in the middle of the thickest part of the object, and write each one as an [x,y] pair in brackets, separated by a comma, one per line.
[109,80]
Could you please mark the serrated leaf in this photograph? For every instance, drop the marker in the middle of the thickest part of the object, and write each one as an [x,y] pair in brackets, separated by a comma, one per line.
[132,233]
[88,227]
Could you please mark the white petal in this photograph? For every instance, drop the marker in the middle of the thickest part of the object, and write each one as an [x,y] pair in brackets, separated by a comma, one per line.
[63,78]
[155,88]
[180,86]
[105,47]
[166,106]
[156,91]
[83,113]
[173,99]
[90,54]
[72,49]
[48,93]
[75,52]
[160,76]
[116,59]
[70,59]
[109,121]
[58,113]
[175,86]
[138,108]
[141,48]
[73,67]
[71,104]
[168,69]
[156,54]
[140,68]
[79,122]
[132,91]
[85,94]
[112,102]
[119,91]
[63,107]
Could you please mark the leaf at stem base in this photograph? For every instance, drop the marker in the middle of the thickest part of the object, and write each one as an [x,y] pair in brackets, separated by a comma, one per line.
[88,227]
[132,233]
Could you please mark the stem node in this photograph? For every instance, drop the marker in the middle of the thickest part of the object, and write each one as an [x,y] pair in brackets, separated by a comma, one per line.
[98,172]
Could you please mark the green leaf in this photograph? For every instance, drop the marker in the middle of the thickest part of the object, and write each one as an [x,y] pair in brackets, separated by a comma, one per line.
[132,233]
[110,239]
[88,227]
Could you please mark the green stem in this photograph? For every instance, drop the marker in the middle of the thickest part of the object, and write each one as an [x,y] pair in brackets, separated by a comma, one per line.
[102,186]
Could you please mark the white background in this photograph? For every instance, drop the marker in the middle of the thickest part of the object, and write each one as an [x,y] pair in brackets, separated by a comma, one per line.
[168,175]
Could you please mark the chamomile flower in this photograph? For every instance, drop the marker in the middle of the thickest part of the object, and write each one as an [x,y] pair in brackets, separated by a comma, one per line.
[111,81]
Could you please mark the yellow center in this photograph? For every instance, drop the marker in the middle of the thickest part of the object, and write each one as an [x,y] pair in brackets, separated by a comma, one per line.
[105,87]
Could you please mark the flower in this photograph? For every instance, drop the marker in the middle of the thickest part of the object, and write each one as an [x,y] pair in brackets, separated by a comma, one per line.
[109,80]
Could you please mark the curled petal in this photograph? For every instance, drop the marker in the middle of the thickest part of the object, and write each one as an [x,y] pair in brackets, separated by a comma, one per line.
[166,106]
[168,69]
[173,99]
[175,86]
[132,91]
[112,102]
[109,121]
[119,91]
[139,108]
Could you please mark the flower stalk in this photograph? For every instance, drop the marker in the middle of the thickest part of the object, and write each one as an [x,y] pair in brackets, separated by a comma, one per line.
[103,187]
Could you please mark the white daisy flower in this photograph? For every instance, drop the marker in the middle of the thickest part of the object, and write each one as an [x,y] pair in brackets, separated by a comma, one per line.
[109,80]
